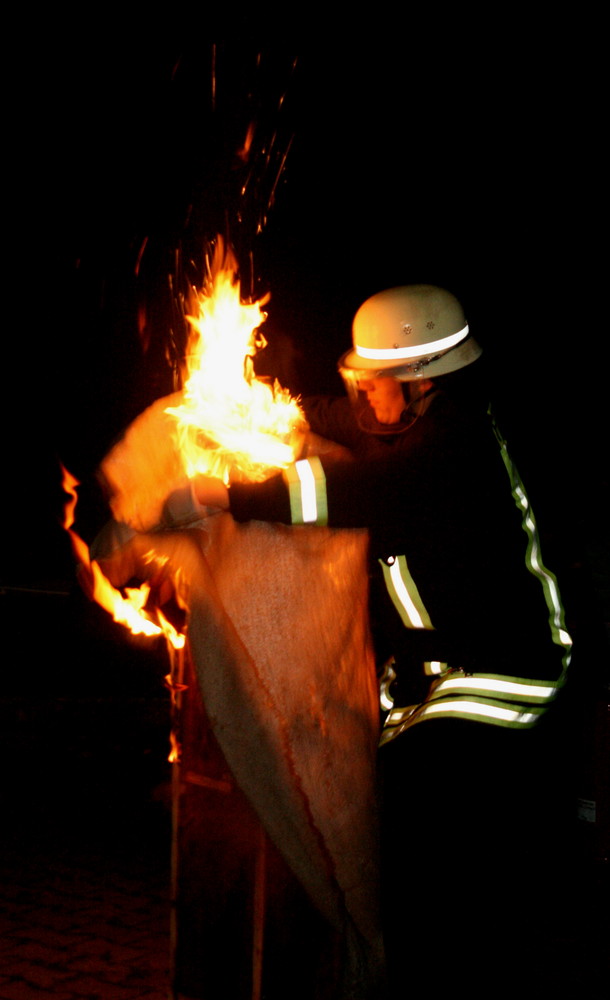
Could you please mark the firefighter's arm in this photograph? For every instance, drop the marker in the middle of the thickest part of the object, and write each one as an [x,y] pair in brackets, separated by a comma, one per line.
[321,491]
[313,491]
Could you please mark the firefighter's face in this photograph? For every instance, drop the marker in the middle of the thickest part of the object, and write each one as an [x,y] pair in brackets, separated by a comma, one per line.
[385,397]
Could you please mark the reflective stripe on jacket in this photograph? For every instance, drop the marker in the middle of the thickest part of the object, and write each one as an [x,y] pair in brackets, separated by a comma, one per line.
[496,699]
[306,484]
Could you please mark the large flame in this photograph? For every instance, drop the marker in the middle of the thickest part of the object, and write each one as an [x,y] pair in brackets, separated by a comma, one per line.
[224,422]
[229,421]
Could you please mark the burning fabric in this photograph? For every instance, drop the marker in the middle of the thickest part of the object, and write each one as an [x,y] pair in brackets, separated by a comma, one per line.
[277,617]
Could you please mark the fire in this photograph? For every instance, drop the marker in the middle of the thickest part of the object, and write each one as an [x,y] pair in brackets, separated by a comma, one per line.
[230,422]
[128,610]
[223,422]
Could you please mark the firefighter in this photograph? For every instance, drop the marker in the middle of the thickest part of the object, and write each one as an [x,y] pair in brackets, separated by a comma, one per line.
[452,530]
[469,628]
[469,633]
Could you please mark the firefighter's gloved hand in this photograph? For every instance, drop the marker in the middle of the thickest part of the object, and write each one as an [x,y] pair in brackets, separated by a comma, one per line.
[182,508]
[200,498]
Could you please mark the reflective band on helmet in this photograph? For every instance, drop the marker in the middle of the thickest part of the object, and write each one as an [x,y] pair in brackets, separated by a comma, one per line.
[307,490]
[416,351]
[404,593]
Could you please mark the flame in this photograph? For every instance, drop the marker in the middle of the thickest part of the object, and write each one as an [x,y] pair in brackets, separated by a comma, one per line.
[230,422]
[175,748]
[128,610]
[225,422]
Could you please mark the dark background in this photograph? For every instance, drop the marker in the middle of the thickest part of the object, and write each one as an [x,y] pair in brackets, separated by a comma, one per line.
[412,149]
[406,149]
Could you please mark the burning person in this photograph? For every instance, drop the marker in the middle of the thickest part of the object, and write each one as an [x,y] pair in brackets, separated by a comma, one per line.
[468,623]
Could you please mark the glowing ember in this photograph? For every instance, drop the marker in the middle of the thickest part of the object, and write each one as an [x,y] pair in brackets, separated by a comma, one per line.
[230,421]
[127,610]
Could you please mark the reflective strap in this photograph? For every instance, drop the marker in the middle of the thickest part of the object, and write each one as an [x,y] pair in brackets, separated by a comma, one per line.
[434,668]
[495,713]
[404,593]
[491,698]
[385,695]
[474,708]
[533,558]
[534,692]
[495,699]
[307,491]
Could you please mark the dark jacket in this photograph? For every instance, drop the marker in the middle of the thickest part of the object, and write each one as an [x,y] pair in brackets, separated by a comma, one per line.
[441,495]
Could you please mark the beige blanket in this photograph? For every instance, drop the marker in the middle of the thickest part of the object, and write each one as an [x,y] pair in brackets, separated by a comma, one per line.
[278,633]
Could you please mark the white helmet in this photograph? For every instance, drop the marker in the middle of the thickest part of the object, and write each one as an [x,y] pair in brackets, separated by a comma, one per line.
[409,333]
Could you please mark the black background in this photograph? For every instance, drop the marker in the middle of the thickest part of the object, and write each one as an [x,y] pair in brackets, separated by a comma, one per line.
[421,147]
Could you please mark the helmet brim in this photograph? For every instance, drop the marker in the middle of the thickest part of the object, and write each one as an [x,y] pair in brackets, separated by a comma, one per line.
[424,366]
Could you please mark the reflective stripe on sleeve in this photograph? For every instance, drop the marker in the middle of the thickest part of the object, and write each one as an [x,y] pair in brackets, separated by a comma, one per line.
[307,491]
